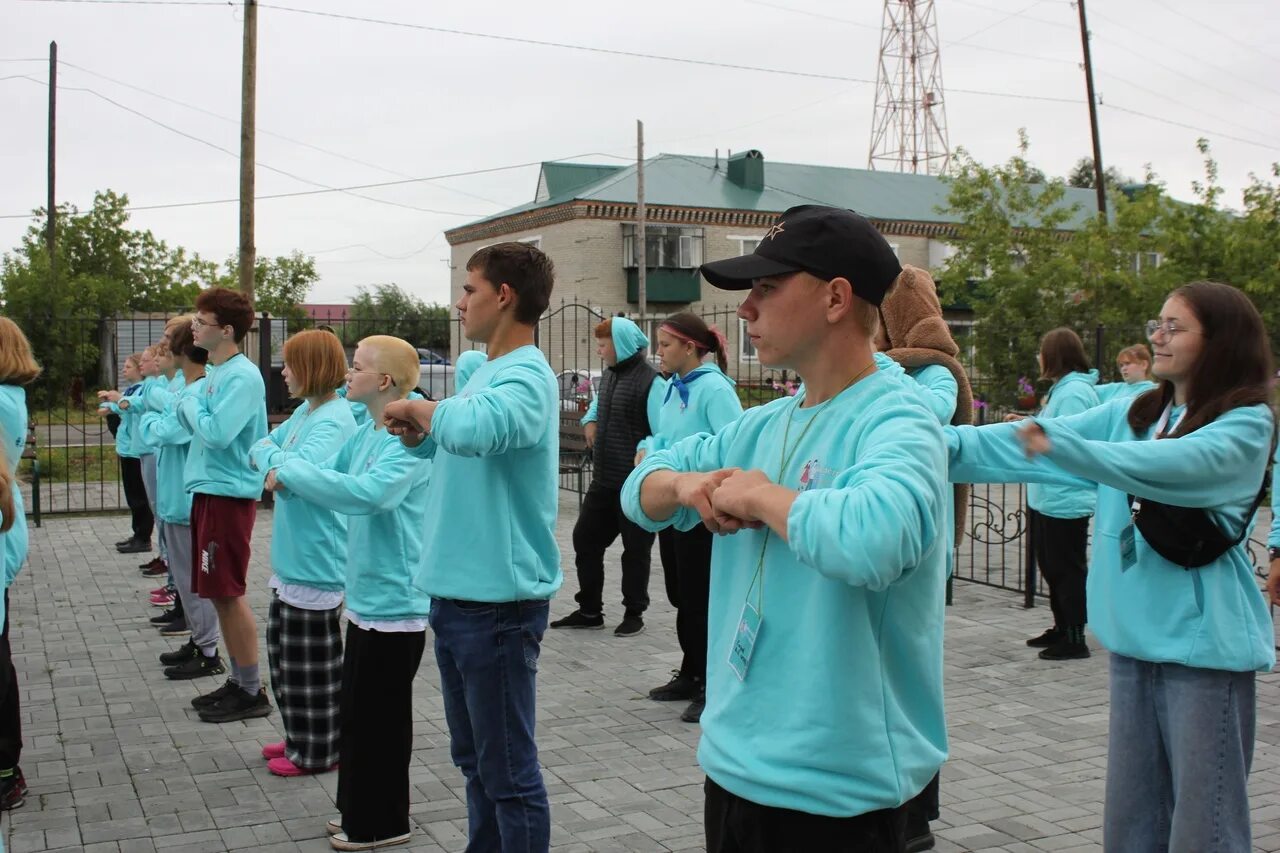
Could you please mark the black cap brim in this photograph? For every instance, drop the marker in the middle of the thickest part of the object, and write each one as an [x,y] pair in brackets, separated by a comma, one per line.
[738,273]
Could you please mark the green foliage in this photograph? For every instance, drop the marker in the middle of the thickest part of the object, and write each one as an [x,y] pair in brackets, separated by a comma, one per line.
[1081,175]
[387,309]
[280,285]
[103,268]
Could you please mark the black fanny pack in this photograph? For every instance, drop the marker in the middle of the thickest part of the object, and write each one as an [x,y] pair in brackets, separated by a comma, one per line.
[1187,536]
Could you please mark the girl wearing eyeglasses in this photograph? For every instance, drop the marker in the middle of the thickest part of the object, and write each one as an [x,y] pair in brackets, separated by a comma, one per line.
[1185,643]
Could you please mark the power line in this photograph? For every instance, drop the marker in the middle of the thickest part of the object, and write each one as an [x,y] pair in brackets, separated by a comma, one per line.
[260,130]
[1218,32]
[1048,21]
[303,193]
[634,54]
[1203,130]
[991,26]
[234,154]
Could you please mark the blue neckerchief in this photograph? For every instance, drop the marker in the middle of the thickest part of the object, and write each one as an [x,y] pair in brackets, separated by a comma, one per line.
[682,385]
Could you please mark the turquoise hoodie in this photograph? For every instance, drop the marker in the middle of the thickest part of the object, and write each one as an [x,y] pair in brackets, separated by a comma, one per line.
[165,432]
[359,411]
[627,341]
[384,491]
[308,540]
[713,403]
[1122,390]
[841,710]
[13,429]
[1070,395]
[1213,617]
[124,432]
[491,509]
[226,418]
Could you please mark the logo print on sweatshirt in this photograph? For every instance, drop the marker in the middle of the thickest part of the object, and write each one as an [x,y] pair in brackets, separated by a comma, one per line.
[815,476]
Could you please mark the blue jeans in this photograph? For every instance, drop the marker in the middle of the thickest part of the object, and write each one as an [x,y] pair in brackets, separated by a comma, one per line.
[488,659]
[1181,743]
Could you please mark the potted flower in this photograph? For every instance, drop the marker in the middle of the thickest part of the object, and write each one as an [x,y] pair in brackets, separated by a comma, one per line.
[1027,400]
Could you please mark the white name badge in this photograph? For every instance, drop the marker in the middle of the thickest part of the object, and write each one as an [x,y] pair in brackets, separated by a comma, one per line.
[744,641]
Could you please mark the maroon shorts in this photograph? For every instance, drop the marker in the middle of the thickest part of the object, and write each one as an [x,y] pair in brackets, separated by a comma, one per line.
[220,531]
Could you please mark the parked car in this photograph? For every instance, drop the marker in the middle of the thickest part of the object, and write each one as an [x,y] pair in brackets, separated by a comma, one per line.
[430,356]
[577,389]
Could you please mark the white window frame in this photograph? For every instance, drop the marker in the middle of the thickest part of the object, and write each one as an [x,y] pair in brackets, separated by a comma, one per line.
[744,342]
[743,239]
[535,241]
[689,251]
[896,247]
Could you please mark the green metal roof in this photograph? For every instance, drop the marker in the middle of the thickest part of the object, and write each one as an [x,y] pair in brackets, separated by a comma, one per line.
[687,181]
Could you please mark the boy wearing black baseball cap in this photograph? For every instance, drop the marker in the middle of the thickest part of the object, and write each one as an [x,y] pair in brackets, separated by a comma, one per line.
[824,710]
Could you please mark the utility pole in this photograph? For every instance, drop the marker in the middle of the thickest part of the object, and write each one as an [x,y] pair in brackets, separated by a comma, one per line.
[51,217]
[642,238]
[248,109]
[1098,179]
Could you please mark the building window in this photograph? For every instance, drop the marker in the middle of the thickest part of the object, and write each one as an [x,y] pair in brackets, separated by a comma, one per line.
[666,246]
[895,247]
[1145,261]
[746,352]
[746,245]
[535,242]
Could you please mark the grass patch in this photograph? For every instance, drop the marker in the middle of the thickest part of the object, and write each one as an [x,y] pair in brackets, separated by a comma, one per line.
[89,464]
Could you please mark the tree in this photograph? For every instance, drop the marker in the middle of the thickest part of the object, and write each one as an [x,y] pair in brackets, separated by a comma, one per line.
[280,285]
[1082,175]
[104,268]
[1027,262]
[389,310]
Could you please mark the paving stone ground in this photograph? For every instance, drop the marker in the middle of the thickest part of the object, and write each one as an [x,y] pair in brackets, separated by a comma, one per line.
[117,761]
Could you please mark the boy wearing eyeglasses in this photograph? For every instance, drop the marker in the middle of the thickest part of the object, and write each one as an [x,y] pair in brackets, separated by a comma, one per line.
[226,415]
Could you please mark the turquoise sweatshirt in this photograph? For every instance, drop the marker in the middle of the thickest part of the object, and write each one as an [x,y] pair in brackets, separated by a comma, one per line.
[359,411]
[1122,390]
[13,429]
[1213,617]
[154,395]
[1273,539]
[465,367]
[491,509]
[308,540]
[1070,395]
[841,710]
[226,418]
[124,432]
[713,403]
[163,430]
[384,491]
[937,383]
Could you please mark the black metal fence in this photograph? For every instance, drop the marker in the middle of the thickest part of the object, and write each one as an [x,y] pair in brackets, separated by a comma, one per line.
[71,465]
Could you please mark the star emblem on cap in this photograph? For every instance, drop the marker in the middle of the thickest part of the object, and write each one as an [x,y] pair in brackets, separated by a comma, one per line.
[774,231]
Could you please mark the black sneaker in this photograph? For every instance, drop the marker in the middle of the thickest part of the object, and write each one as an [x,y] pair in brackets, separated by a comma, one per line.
[135,546]
[681,688]
[208,700]
[11,793]
[578,619]
[693,714]
[166,617]
[1048,638]
[124,542]
[238,705]
[197,667]
[632,625]
[920,843]
[182,654]
[176,628]
[1070,646]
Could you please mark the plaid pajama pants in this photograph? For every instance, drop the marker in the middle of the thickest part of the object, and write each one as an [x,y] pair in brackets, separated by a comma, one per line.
[304,651]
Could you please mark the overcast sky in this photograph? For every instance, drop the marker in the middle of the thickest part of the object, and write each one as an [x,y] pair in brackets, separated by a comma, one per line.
[414,103]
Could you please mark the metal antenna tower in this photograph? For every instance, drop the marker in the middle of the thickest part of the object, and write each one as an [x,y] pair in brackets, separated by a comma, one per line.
[909,130]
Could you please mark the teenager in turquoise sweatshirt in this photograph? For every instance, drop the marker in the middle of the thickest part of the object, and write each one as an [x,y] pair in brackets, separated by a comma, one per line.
[308,560]
[382,489]
[490,554]
[699,400]
[198,657]
[142,521]
[226,418]
[824,711]
[20,370]
[1134,364]
[1060,513]
[1185,643]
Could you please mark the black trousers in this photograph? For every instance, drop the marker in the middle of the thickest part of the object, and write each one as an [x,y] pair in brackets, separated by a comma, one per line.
[922,808]
[686,568]
[377,731]
[1061,547]
[135,495]
[735,825]
[10,710]
[600,522]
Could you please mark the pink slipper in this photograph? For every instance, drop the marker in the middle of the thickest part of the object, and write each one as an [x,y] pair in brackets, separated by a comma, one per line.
[284,767]
[273,750]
